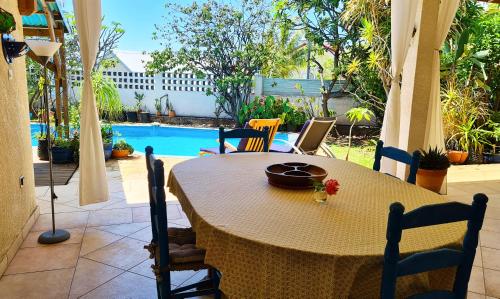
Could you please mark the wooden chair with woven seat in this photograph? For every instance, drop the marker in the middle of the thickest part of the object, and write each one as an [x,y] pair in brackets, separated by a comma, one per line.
[400,156]
[436,214]
[258,139]
[172,248]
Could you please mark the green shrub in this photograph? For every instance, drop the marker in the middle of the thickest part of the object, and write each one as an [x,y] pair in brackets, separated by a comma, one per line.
[123,145]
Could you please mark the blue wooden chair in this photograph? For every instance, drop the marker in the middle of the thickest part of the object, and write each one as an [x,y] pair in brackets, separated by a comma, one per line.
[434,259]
[258,141]
[400,156]
[173,249]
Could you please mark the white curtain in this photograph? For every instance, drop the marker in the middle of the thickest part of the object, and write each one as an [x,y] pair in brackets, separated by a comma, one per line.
[402,24]
[434,135]
[93,183]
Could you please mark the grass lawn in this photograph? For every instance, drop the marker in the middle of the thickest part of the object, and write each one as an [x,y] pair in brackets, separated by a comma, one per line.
[363,155]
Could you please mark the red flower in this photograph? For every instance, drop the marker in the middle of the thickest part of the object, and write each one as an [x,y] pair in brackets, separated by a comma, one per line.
[331,187]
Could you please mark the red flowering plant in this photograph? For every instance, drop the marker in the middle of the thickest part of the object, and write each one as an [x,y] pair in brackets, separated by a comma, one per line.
[330,187]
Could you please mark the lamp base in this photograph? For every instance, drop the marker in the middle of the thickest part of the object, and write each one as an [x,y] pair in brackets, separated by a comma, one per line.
[48,237]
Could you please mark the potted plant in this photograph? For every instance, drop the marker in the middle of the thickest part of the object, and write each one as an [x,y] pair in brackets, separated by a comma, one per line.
[43,146]
[107,140]
[171,111]
[158,107]
[131,113]
[493,156]
[62,151]
[470,138]
[433,167]
[122,149]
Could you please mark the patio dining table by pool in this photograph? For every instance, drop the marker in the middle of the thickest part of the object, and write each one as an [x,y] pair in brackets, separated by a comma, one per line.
[276,243]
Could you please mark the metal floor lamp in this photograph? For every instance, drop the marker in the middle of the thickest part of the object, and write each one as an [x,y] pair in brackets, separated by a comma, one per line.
[45,49]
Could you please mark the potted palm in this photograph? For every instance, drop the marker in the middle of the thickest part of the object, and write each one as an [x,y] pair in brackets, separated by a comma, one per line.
[131,114]
[171,111]
[62,151]
[158,107]
[122,149]
[432,169]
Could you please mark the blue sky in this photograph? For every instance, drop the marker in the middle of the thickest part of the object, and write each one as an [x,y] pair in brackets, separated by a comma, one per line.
[137,18]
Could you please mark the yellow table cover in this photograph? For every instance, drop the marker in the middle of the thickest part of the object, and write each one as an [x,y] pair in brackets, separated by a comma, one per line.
[276,243]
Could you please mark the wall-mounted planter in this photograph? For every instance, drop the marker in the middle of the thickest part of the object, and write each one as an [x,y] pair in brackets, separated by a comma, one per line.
[7,22]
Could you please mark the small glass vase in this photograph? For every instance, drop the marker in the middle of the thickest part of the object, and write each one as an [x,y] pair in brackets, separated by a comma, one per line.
[320,196]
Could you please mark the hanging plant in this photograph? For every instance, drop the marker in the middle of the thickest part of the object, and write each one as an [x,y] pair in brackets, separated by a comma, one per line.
[7,22]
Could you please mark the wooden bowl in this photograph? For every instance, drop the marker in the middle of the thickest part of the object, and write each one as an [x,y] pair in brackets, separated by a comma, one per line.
[295,175]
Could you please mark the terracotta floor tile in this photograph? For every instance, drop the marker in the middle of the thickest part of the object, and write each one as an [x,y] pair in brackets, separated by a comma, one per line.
[94,239]
[491,258]
[126,285]
[492,282]
[63,220]
[476,282]
[490,239]
[492,212]
[144,269]
[491,224]
[53,284]
[144,234]
[89,275]
[124,254]
[31,239]
[141,214]
[45,208]
[471,295]
[110,217]
[123,229]
[44,258]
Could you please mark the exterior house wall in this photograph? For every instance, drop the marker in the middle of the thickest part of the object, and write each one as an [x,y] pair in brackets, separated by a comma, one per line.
[186,102]
[17,205]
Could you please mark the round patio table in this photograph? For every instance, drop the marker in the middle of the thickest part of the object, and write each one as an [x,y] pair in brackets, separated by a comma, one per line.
[275,243]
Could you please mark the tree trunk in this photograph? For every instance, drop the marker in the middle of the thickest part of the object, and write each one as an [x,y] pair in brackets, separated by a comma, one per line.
[324,104]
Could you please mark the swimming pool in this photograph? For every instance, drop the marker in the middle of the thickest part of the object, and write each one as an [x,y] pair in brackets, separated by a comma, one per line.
[166,140]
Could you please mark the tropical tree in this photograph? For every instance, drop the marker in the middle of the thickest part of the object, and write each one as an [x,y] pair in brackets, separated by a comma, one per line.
[227,42]
[356,115]
[108,41]
[287,53]
[322,24]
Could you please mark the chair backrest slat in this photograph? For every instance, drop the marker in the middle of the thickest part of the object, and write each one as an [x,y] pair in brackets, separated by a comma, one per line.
[425,261]
[159,221]
[314,135]
[272,124]
[400,156]
[428,261]
[260,143]
[437,214]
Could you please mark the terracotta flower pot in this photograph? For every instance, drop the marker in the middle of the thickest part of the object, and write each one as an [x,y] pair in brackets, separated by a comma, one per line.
[431,179]
[457,157]
[171,113]
[120,153]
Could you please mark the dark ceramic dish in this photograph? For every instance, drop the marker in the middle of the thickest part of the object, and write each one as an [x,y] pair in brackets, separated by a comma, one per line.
[294,175]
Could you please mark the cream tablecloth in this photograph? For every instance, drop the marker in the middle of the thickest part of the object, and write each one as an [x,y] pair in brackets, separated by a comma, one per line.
[275,243]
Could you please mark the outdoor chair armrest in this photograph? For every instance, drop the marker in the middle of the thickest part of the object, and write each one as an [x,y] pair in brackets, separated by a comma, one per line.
[228,145]
[295,149]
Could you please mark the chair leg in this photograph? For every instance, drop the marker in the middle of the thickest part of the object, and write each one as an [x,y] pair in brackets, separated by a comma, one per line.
[216,281]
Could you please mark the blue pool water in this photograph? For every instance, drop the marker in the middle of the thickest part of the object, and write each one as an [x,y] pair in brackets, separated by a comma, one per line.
[174,141]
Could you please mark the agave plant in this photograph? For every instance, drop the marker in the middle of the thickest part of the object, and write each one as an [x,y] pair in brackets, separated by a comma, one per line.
[434,159]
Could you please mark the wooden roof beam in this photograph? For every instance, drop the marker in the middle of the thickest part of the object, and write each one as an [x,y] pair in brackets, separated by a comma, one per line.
[38,31]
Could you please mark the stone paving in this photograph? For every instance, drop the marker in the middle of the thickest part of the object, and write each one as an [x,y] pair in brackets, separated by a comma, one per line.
[104,258]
